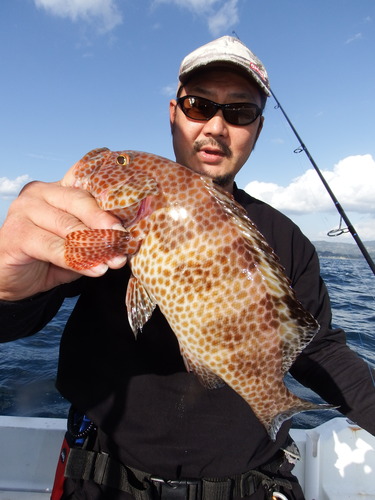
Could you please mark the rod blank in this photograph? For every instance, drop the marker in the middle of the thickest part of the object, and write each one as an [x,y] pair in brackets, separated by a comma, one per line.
[338,206]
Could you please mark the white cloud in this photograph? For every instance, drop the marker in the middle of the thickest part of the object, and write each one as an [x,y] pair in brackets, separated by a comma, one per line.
[223,19]
[221,15]
[196,6]
[352,181]
[9,188]
[102,13]
[169,90]
[278,140]
[354,38]
[365,228]
[44,157]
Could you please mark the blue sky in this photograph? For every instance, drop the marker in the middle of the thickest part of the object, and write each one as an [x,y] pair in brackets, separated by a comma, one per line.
[80,74]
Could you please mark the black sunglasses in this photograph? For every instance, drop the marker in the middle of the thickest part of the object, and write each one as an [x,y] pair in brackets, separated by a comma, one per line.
[199,108]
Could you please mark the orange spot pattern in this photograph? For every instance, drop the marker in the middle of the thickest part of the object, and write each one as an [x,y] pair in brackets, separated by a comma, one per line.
[194,252]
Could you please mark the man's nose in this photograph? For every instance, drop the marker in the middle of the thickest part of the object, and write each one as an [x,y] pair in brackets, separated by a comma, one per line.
[216,126]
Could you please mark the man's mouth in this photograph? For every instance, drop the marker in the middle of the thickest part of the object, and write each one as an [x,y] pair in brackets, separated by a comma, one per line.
[212,150]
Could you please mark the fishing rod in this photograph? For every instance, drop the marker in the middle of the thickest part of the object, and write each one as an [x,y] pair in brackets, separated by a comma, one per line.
[339,208]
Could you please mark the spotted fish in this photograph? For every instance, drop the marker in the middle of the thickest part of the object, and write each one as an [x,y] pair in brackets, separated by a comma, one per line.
[194,252]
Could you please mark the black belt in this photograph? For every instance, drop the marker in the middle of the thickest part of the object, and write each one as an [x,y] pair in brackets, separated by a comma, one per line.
[104,470]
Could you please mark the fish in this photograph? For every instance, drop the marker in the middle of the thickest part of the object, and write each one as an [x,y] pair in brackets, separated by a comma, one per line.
[194,252]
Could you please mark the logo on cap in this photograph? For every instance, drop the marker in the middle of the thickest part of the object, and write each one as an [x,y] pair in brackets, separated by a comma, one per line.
[256,68]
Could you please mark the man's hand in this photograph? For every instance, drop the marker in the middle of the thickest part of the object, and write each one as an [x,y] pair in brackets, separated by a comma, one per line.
[32,238]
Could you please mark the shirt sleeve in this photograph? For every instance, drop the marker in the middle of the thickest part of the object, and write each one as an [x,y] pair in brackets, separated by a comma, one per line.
[327,365]
[23,318]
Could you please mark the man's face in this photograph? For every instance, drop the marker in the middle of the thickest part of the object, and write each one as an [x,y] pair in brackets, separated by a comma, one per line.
[215,147]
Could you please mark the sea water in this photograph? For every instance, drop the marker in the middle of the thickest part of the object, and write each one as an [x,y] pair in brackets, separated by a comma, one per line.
[28,366]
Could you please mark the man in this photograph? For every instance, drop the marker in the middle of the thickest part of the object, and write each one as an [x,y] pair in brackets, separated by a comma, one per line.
[150,414]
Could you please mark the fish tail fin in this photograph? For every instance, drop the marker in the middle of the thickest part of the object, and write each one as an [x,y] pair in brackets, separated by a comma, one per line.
[88,248]
[299,405]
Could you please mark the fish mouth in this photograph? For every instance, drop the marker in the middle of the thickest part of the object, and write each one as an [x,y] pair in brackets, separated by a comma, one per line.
[144,211]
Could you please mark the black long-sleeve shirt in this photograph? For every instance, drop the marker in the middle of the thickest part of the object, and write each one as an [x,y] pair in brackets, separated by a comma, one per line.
[151,413]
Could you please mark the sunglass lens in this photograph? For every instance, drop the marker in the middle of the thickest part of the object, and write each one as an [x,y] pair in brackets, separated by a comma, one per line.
[241,115]
[198,109]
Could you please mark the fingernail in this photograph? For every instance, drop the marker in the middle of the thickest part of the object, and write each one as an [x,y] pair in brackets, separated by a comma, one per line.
[117,261]
[118,227]
[98,270]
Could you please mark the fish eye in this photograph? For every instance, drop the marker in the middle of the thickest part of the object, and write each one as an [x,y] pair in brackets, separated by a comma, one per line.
[122,160]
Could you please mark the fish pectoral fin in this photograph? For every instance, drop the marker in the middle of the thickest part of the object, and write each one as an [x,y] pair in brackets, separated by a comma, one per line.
[90,247]
[139,304]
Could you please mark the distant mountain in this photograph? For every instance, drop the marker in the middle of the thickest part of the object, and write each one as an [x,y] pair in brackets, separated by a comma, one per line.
[335,249]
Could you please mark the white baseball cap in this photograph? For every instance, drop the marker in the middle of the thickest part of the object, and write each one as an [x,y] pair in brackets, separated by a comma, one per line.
[226,50]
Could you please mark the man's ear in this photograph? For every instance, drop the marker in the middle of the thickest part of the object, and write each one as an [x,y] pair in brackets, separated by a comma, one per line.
[172,112]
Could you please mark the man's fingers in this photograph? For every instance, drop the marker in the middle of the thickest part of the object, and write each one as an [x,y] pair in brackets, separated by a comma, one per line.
[62,209]
[32,238]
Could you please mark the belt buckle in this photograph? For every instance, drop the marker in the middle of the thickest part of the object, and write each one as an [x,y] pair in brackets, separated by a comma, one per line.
[177,489]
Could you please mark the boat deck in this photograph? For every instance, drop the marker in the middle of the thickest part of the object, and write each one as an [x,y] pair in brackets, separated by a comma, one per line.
[337,459]
[29,450]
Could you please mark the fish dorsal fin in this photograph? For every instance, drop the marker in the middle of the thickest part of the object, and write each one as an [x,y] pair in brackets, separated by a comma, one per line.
[309,327]
[235,212]
[306,322]
[139,303]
